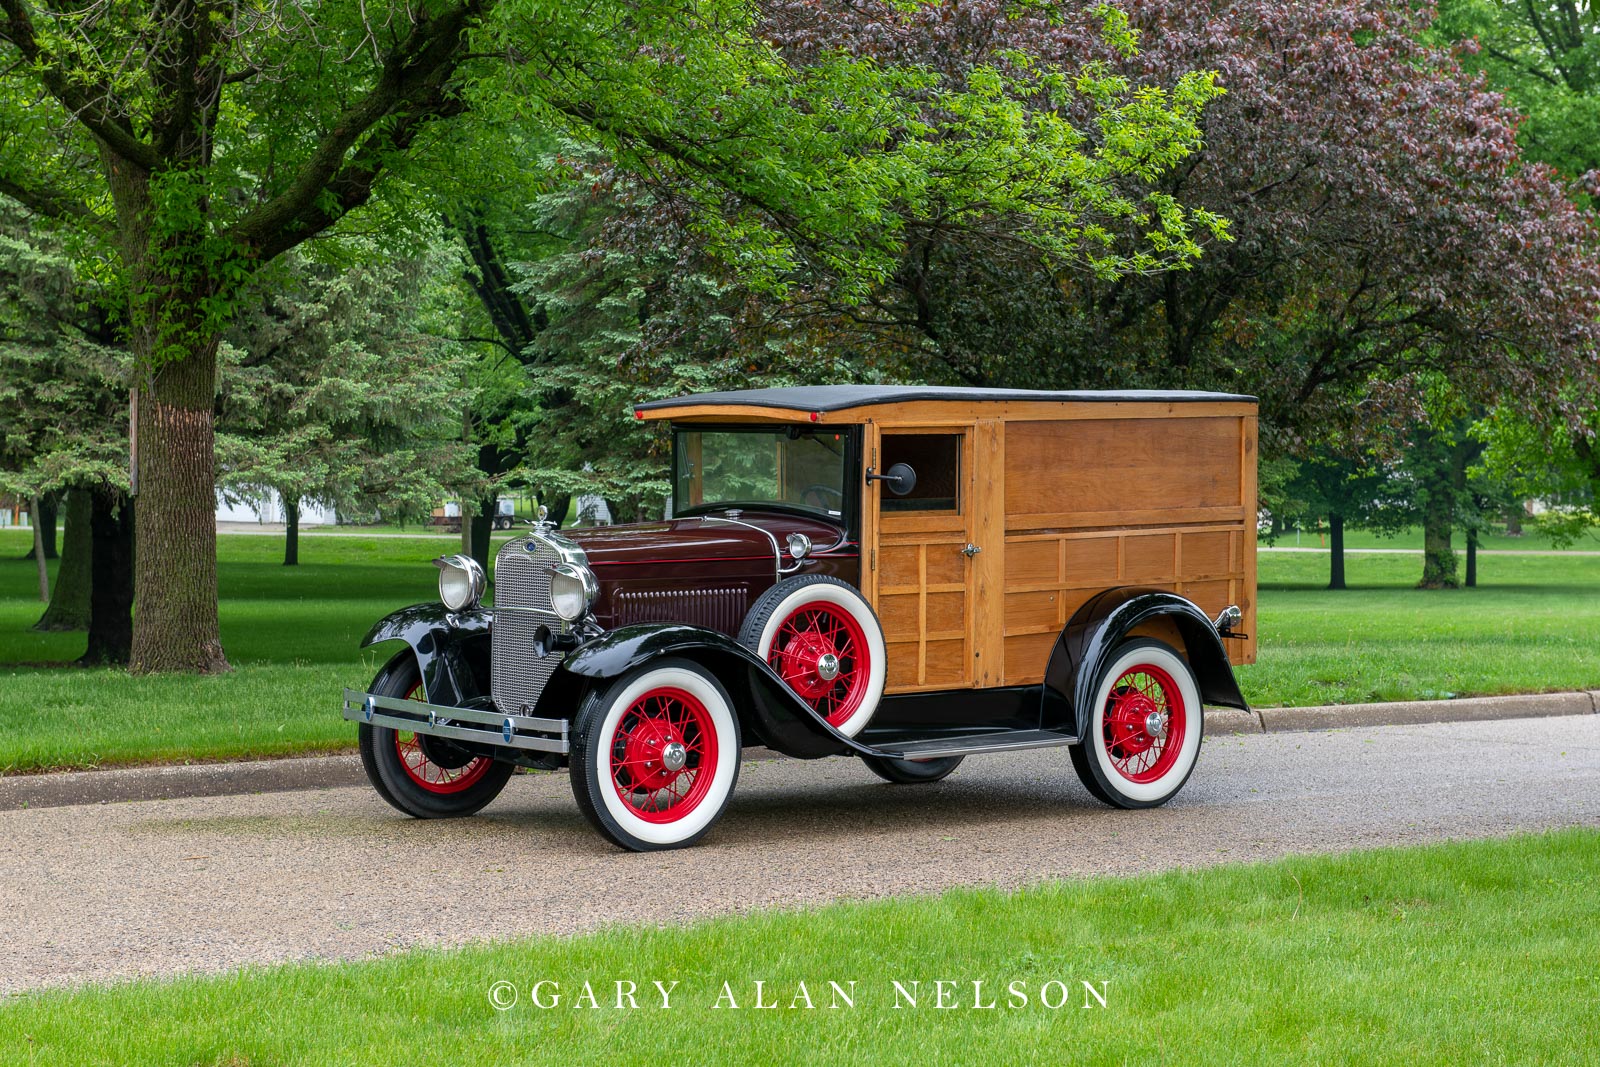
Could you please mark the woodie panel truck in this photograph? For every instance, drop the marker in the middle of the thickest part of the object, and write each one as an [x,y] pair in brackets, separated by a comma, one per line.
[907,575]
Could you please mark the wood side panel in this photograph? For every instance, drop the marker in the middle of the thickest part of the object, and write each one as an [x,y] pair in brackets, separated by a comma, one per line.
[1033,562]
[1245,651]
[1090,559]
[1029,612]
[1116,466]
[904,664]
[1206,552]
[1148,559]
[985,609]
[1026,656]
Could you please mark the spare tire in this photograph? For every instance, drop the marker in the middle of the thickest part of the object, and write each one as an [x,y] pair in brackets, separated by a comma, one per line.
[821,637]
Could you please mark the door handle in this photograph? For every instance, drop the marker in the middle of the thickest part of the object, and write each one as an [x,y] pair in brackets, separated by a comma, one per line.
[970,550]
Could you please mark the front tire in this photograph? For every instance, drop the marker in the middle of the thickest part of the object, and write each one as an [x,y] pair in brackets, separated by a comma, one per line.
[1144,729]
[821,637]
[425,777]
[655,756]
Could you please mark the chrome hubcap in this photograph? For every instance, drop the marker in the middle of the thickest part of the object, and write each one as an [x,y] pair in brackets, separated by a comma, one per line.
[828,667]
[1155,724]
[673,757]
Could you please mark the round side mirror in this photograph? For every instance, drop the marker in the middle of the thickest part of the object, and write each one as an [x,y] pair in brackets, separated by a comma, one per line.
[900,479]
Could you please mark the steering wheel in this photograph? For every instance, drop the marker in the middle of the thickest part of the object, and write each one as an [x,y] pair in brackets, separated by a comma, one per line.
[816,496]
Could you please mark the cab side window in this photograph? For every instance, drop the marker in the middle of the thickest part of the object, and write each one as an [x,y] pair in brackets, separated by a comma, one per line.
[936,457]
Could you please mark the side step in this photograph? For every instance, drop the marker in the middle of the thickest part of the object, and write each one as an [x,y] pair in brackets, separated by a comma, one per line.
[972,744]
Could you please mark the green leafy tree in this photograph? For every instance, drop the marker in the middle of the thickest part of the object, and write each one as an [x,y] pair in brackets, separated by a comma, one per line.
[196,142]
[333,391]
[63,426]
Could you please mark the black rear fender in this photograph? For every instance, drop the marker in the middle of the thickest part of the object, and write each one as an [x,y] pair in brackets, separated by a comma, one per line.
[1090,639]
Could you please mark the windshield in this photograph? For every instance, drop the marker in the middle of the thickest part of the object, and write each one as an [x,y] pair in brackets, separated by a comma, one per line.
[795,468]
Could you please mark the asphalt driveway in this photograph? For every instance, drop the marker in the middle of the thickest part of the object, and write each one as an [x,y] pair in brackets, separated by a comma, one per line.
[99,892]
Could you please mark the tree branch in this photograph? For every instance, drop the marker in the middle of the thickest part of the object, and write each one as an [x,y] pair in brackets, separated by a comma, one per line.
[410,85]
[51,203]
[91,105]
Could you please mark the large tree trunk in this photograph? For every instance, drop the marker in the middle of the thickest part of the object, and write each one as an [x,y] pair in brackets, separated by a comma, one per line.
[1438,555]
[481,523]
[111,603]
[175,575]
[44,518]
[69,607]
[1335,551]
[1472,558]
[291,535]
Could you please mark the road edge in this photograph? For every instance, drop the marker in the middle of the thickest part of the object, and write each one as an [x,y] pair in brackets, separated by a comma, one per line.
[183,781]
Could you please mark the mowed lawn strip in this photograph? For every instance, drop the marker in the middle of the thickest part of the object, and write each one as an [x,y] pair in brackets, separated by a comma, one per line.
[292,635]
[1461,953]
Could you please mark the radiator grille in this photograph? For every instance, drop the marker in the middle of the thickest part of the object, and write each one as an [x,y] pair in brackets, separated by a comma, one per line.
[715,609]
[521,605]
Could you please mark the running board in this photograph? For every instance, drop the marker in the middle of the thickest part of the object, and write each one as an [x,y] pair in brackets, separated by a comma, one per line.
[973,744]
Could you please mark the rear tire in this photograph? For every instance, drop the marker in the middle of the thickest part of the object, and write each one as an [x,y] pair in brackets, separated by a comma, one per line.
[1144,729]
[912,771]
[425,777]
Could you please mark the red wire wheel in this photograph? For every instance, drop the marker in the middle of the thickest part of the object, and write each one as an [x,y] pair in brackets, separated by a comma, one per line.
[421,767]
[663,756]
[1144,723]
[821,651]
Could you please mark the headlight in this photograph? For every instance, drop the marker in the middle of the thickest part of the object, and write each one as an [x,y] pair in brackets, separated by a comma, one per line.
[461,582]
[572,590]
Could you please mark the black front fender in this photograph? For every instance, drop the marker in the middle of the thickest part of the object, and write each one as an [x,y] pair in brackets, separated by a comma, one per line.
[1090,639]
[452,649]
[770,710]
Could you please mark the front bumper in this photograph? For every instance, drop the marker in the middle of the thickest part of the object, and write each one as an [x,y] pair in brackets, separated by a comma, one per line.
[457,724]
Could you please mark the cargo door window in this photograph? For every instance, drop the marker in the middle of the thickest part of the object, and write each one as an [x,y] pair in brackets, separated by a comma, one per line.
[936,459]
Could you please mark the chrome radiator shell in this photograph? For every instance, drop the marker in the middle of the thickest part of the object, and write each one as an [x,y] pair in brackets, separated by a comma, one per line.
[522,568]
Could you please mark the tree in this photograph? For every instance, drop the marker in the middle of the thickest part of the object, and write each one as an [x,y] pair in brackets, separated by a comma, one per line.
[333,392]
[1354,491]
[1545,56]
[1385,225]
[63,424]
[199,141]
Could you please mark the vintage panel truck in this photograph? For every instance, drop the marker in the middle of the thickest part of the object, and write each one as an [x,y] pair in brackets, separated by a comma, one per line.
[907,575]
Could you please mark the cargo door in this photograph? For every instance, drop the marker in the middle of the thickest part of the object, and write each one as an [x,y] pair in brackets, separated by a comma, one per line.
[935,550]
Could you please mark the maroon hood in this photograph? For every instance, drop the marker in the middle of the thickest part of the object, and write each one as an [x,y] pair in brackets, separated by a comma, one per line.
[705,539]
[704,570]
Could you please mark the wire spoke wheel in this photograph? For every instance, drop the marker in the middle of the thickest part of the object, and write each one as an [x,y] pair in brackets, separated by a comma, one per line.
[425,777]
[1144,723]
[662,754]
[655,755]
[821,651]
[1143,726]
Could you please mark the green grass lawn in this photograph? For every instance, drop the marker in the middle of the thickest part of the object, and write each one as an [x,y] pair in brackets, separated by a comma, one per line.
[1477,952]
[292,634]
[1411,539]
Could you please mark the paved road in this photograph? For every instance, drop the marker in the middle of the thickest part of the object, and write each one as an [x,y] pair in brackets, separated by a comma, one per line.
[105,891]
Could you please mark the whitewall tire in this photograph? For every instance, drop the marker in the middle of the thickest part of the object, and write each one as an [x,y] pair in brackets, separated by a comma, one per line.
[821,637]
[655,755]
[1144,727]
